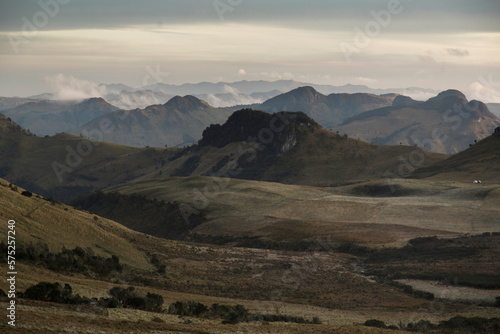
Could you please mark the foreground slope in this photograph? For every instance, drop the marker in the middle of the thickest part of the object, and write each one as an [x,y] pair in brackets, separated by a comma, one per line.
[42,221]
[277,215]
[447,123]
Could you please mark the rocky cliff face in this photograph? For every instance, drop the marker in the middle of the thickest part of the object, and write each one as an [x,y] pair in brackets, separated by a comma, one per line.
[277,132]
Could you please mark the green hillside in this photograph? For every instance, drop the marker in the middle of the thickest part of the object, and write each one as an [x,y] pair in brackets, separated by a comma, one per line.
[65,166]
[480,161]
[47,222]
[290,148]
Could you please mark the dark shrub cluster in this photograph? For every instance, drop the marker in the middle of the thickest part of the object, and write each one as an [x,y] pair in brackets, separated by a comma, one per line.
[231,314]
[27,193]
[378,324]
[454,325]
[130,298]
[54,292]
[68,260]
[120,297]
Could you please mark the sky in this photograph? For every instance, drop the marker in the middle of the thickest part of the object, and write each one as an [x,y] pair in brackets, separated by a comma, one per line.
[379,43]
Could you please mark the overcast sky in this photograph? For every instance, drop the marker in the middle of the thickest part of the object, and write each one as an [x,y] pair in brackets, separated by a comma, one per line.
[388,43]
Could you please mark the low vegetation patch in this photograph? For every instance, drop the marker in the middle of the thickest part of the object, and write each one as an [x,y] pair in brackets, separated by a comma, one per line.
[454,325]
[119,297]
[137,212]
[231,314]
[76,260]
[412,261]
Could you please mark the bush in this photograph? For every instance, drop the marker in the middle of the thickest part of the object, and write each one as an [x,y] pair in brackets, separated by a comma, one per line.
[130,298]
[231,314]
[375,323]
[53,292]
[27,193]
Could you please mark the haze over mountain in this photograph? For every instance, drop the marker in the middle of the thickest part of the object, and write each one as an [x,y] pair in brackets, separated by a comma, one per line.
[178,122]
[447,123]
[220,94]
[328,110]
[48,117]
[223,94]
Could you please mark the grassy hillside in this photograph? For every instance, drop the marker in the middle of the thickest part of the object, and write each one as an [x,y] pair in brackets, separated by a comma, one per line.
[320,282]
[298,151]
[274,215]
[39,220]
[66,166]
[479,162]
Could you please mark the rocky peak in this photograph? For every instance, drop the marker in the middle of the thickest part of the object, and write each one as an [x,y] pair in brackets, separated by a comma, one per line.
[277,131]
[186,103]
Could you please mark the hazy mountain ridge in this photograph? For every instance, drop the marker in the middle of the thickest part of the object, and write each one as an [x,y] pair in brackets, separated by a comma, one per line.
[328,110]
[446,123]
[180,121]
[47,117]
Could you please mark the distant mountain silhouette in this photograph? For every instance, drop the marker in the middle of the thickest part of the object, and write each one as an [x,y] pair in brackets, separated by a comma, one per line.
[446,123]
[49,117]
[328,110]
[180,121]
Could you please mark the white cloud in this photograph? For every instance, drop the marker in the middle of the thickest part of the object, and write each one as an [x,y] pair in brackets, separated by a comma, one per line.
[457,52]
[67,87]
[365,81]
[242,72]
[484,90]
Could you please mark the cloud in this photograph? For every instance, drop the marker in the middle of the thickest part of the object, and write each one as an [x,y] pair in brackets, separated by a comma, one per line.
[484,90]
[277,76]
[67,87]
[365,81]
[427,59]
[242,72]
[457,52]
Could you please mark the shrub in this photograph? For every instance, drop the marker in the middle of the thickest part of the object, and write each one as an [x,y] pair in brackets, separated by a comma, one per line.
[130,298]
[375,323]
[27,193]
[53,292]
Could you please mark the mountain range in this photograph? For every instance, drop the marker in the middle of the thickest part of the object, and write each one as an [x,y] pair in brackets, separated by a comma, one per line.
[447,123]
[329,110]
[46,117]
[178,122]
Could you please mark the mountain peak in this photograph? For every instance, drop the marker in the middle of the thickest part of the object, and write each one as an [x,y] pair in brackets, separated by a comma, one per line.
[445,100]
[307,92]
[95,104]
[449,94]
[402,100]
[186,103]
[245,124]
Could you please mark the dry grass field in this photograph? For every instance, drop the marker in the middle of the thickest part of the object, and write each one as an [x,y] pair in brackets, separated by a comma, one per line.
[321,281]
[368,213]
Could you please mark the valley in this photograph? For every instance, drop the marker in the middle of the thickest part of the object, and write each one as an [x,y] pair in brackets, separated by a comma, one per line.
[269,223]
